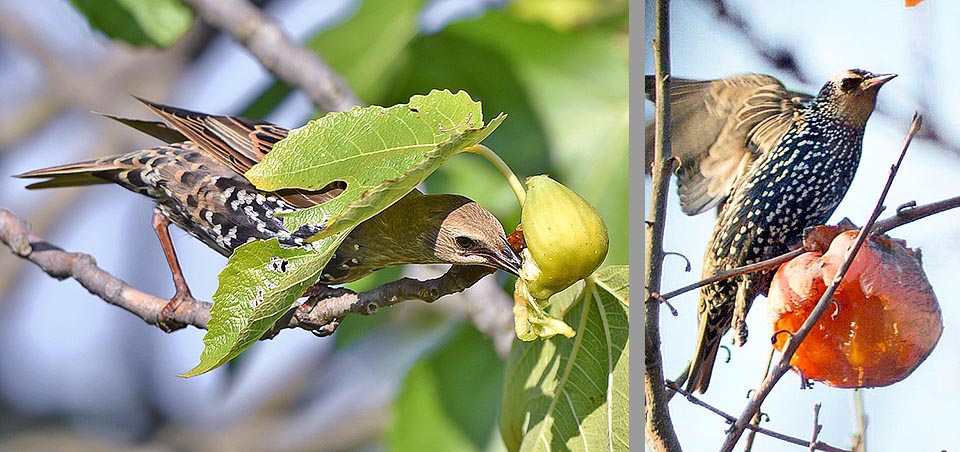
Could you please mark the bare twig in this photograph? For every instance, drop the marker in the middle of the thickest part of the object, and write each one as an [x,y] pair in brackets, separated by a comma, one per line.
[661,435]
[909,215]
[320,314]
[794,341]
[773,262]
[763,431]
[816,427]
[276,51]
[757,418]
[326,306]
[860,439]
[679,381]
[16,234]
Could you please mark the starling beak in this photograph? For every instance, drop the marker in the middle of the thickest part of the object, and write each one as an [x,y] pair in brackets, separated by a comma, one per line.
[774,162]
[197,181]
[506,259]
[877,80]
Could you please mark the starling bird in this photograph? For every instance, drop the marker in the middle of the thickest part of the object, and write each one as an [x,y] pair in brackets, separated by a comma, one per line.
[197,182]
[775,162]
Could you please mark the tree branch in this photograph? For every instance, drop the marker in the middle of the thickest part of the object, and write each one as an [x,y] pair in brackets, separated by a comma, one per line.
[276,51]
[816,444]
[794,341]
[321,314]
[661,435]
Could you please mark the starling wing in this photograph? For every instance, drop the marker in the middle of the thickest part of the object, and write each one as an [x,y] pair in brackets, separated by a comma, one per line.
[718,127]
[236,142]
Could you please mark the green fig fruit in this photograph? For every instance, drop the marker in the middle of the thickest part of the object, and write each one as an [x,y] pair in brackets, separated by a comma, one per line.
[565,235]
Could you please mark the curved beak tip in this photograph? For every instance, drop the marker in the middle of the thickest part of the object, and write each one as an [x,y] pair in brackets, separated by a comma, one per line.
[509,261]
[880,79]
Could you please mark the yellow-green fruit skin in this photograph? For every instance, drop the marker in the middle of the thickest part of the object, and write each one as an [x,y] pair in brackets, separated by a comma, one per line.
[565,235]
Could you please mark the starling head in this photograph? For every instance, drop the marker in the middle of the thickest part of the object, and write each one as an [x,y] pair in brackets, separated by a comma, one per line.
[471,235]
[853,94]
[424,229]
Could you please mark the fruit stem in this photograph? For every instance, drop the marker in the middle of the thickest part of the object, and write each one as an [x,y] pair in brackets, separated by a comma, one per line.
[501,166]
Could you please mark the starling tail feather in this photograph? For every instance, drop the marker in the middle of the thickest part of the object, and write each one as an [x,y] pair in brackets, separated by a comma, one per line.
[774,162]
[197,181]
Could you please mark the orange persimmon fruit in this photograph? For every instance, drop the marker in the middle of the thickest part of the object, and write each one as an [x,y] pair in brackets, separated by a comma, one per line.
[885,320]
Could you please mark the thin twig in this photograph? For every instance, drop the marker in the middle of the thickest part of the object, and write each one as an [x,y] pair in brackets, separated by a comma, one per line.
[763,431]
[661,436]
[727,274]
[321,314]
[276,51]
[794,341]
[679,381]
[326,306]
[816,427]
[757,418]
[909,215]
[860,440]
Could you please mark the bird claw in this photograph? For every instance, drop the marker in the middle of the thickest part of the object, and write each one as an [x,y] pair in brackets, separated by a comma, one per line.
[166,319]
[325,329]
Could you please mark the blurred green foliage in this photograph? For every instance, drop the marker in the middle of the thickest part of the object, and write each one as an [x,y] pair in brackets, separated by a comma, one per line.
[450,399]
[152,23]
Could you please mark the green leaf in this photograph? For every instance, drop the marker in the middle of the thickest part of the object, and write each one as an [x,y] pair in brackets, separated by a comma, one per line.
[449,399]
[616,280]
[380,153]
[259,284]
[573,394]
[154,23]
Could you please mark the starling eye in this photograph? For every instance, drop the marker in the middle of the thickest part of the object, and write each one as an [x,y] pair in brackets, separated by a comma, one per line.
[465,242]
[849,83]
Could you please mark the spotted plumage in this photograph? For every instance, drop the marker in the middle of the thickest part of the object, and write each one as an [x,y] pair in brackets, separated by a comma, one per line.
[208,200]
[775,162]
[197,182]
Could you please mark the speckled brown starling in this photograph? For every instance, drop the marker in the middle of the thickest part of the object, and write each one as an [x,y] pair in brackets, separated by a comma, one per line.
[197,181]
[776,162]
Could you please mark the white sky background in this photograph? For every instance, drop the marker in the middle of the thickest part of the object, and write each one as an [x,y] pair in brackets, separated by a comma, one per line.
[828,36]
[65,353]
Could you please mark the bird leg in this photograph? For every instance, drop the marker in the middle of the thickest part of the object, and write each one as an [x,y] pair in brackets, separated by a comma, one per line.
[165,320]
[741,306]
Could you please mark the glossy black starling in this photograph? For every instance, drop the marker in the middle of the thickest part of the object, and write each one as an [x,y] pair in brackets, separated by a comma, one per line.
[776,162]
[197,181]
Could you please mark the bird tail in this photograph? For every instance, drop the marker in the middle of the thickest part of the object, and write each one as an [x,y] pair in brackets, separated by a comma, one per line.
[90,172]
[701,368]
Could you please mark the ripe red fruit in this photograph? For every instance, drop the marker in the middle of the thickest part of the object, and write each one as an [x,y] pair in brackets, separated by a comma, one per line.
[885,320]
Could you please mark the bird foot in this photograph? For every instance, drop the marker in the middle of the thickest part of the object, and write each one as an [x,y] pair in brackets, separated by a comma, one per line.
[740,333]
[166,319]
[314,321]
